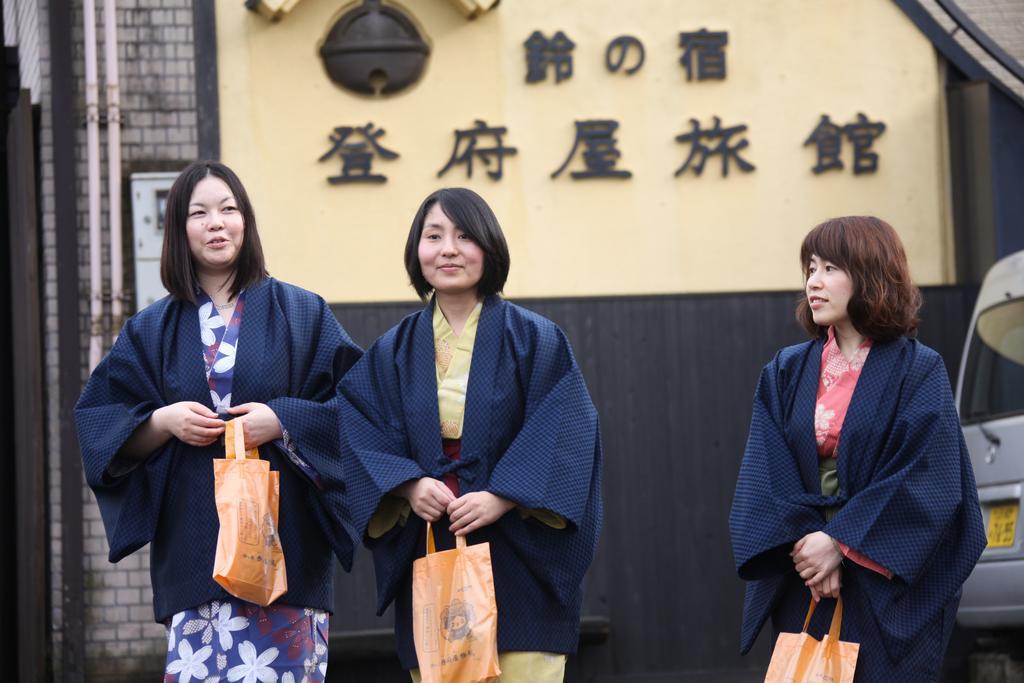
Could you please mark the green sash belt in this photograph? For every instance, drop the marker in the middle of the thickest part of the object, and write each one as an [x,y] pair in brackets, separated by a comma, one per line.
[829,483]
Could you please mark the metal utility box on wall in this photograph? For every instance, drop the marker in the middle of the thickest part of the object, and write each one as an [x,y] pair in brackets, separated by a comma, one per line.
[149,197]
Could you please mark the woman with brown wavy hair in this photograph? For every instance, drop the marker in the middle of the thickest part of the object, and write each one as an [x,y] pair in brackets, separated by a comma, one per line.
[855,477]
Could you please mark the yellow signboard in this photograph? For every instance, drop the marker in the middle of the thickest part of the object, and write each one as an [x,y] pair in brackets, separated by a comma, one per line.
[785,69]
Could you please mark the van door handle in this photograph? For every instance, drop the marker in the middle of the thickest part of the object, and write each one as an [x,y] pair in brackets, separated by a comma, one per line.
[993,444]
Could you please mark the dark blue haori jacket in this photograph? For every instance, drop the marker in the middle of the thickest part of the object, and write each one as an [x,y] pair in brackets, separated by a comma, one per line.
[530,435]
[291,354]
[908,501]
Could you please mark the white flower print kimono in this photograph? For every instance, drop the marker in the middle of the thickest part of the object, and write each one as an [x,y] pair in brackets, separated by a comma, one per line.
[230,639]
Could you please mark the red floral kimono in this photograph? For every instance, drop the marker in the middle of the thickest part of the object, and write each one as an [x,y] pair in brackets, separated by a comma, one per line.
[839,377]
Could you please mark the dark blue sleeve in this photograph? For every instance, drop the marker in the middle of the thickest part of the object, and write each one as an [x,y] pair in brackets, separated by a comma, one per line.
[770,510]
[375,459]
[553,463]
[550,463]
[324,353]
[121,394]
[916,496]
[919,516]
[375,452]
[309,416]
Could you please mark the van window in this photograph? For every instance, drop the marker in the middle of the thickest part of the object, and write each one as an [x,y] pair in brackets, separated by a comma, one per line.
[994,376]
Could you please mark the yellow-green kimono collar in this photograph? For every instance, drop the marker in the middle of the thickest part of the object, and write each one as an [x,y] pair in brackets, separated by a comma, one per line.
[453,355]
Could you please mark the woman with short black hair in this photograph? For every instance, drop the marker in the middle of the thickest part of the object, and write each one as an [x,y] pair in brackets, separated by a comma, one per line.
[151,418]
[473,415]
[467,210]
[855,477]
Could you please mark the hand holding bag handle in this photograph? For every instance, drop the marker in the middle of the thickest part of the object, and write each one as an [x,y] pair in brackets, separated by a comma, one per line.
[249,561]
[460,541]
[234,441]
[455,616]
[799,658]
[837,620]
[235,449]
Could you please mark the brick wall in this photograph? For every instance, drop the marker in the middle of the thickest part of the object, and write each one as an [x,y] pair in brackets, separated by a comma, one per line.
[156,62]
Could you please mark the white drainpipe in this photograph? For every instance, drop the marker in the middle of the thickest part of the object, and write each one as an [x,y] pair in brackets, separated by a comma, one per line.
[93,151]
[113,164]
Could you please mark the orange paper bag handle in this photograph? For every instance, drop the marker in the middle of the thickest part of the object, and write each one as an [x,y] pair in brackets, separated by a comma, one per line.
[837,619]
[460,541]
[234,441]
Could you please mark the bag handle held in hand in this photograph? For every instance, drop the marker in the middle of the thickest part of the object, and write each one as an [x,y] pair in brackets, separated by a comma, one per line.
[460,541]
[234,439]
[810,613]
[837,619]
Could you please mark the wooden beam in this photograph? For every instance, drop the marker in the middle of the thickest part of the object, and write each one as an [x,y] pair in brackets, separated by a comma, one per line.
[29,453]
[69,350]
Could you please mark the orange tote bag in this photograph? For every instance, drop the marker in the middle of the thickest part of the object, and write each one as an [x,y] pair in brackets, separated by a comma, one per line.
[250,562]
[799,658]
[455,618]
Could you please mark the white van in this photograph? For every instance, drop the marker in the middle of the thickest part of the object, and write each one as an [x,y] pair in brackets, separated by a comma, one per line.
[990,394]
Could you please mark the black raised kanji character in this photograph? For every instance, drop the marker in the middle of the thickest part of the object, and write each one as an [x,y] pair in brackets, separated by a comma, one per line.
[827,138]
[862,134]
[701,152]
[710,49]
[357,157]
[540,52]
[486,154]
[615,55]
[599,155]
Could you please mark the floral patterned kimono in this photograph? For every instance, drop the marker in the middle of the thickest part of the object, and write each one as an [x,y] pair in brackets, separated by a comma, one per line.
[839,377]
[231,639]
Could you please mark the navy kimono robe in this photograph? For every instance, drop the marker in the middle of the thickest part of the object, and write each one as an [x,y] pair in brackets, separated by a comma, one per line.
[291,354]
[530,435]
[908,501]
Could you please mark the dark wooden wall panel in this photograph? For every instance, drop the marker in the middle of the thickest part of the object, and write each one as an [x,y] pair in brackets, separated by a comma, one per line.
[673,378]
[27,460]
[65,118]
[9,78]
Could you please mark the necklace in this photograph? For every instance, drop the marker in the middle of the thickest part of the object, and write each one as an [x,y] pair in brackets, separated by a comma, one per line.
[223,307]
